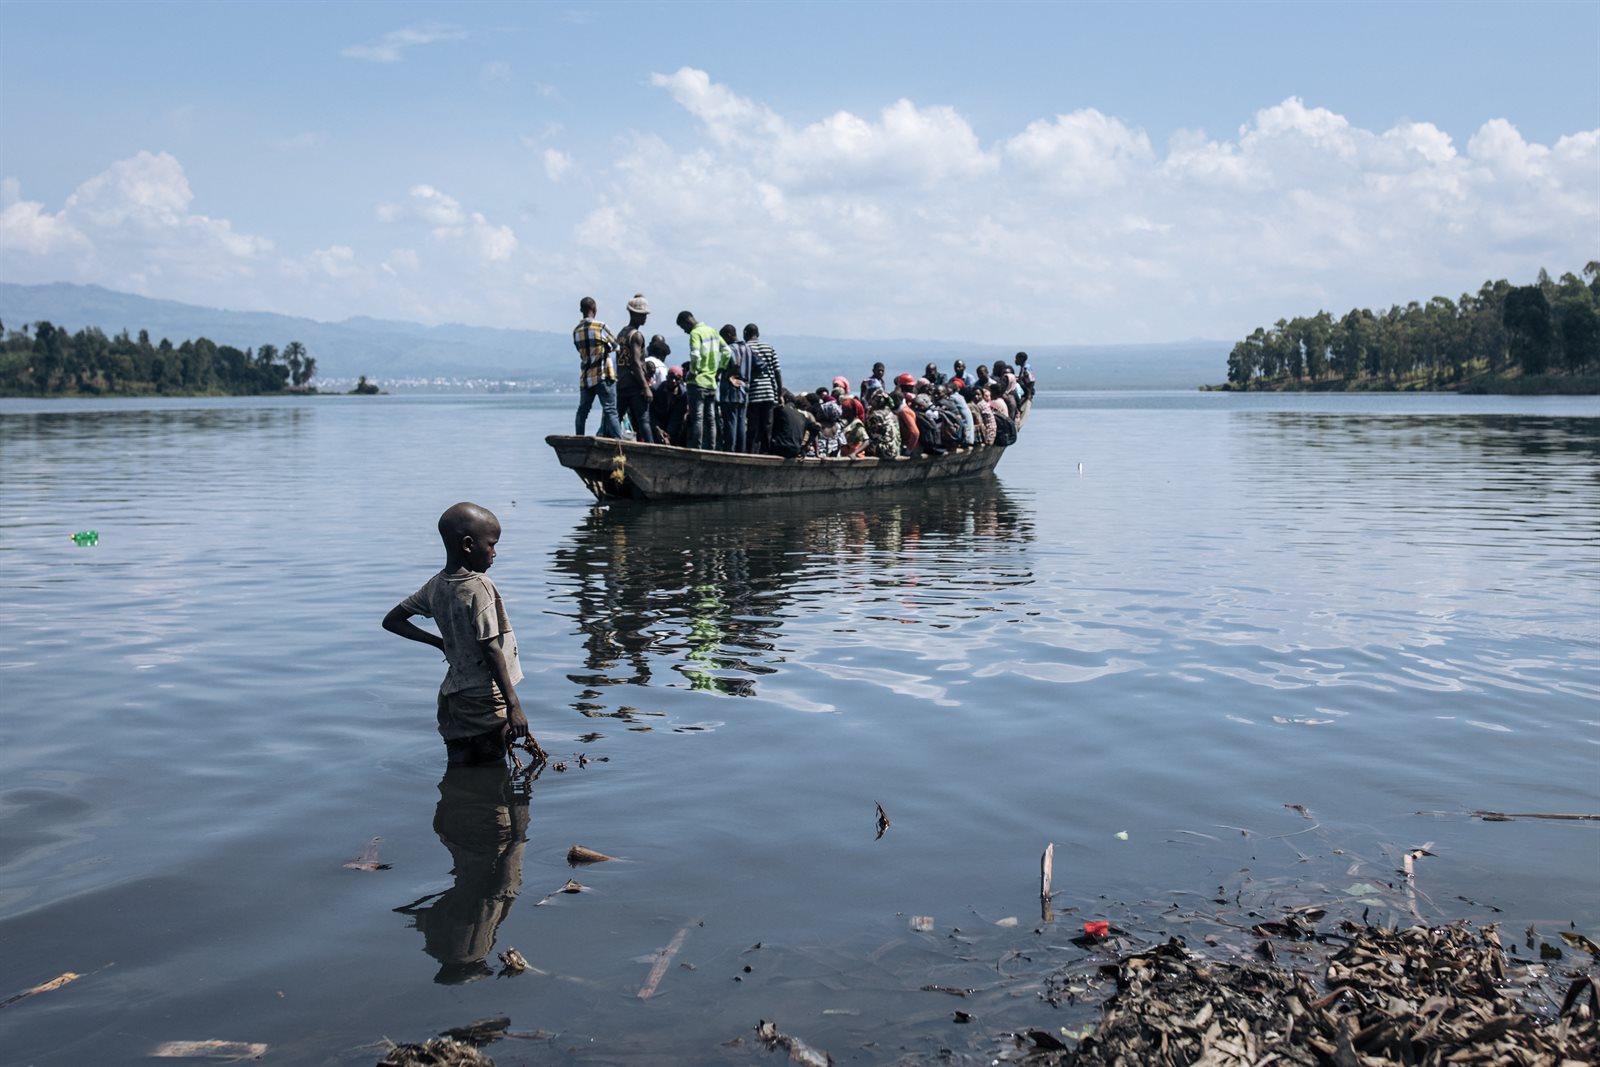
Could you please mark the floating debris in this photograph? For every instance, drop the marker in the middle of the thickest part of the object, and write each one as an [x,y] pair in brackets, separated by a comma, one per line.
[798,1050]
[663,961]
[225,1051]
[435,1052]
[578,854]
[512,962]
[480,1032]
[922,924]
[368,860]
[569,887]
[43,987]
[1392,997]
[883,821]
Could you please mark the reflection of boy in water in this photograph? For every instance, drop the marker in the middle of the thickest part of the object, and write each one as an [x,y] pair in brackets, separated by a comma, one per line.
[484,824]
[478,706]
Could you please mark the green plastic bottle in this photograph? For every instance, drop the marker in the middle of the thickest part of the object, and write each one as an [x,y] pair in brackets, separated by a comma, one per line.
[86,538]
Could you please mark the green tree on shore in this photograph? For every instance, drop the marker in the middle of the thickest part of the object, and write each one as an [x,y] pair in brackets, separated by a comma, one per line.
[1547,327]
[45,360]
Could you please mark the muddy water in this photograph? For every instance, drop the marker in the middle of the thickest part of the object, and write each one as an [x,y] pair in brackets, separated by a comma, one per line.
[1168,617]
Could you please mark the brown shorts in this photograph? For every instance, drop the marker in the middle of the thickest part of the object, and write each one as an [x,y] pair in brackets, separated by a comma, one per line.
[471,713]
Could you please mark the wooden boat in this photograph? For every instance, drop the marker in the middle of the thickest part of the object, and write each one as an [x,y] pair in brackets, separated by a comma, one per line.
[615,469]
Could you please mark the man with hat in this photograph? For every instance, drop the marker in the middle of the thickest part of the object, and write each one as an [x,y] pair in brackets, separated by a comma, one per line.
[633,380]
[596,352]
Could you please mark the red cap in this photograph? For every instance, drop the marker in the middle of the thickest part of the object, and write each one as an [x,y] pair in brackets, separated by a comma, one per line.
[905,380]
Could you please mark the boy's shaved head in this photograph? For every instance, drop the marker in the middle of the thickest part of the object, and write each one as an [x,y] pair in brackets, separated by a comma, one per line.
[463,519]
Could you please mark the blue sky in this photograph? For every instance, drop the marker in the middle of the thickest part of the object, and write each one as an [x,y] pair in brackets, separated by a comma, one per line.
[1039,172]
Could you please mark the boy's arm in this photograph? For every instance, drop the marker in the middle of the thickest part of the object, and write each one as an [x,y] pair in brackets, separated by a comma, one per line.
[398,621]
[516,721]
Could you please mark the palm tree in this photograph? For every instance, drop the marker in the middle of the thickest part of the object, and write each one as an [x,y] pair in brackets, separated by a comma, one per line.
[294,354]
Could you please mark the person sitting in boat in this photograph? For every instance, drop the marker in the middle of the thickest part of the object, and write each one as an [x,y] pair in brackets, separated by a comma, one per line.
[955,405]
[791,428]
[850,405]
[909,436]
[669,409]
[981,377]
[826,441]
[982,414]
[998,400]
[883,428]
[655,358]
[874,383]
[958,369]
[933,374]
[930,427]
[853,437]
[1005,426]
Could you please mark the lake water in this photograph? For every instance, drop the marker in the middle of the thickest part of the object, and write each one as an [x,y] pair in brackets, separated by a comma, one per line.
[1169,617]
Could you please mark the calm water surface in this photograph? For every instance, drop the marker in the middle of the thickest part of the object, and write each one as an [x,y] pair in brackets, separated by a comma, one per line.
[1169,616]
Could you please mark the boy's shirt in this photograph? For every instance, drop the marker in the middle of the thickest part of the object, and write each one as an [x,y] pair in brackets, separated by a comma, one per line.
[467,608]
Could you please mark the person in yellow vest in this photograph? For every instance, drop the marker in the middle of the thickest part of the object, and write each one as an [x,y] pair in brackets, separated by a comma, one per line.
[708,355]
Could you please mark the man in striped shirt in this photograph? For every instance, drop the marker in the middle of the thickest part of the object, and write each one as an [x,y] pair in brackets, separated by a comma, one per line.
[766,386]
[596,352]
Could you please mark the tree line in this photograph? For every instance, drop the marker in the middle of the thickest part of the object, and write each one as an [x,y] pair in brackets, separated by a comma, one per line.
[1499,332]
[48,361]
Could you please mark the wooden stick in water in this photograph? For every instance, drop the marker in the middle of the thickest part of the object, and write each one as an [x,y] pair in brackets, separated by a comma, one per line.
[1047,864]
[663,961]
[1501,816]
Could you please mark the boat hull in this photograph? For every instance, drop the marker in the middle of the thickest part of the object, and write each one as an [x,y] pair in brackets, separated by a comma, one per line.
[629,470]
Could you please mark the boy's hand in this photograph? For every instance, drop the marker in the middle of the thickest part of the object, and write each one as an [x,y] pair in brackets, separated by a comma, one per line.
[516,721]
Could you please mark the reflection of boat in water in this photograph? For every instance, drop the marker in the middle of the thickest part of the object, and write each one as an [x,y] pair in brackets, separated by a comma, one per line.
[703,589]
[615,469]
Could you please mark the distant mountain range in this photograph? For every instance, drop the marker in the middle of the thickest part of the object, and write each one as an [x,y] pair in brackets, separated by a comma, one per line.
[391,351]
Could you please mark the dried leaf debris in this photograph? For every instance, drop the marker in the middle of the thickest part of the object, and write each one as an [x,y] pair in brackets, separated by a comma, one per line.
[1412,996]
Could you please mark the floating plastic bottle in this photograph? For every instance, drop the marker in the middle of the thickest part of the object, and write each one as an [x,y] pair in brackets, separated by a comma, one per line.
[86,538]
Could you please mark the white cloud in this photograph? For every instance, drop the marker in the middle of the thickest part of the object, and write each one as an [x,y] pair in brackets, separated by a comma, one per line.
[335,261]
[1067,227]
[556,164]
[392,46]
[128,226]
[494,73]
[906,145]
[27,228]
[1085,150]
[450,223]
[904,223]
[402,261]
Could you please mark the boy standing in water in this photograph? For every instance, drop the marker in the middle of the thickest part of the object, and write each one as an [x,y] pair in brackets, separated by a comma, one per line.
[478,706]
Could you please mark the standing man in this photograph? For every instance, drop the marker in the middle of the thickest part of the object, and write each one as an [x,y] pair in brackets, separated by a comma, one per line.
[708,354]
[633,379]
[734,395]
[595,347]
[766,386]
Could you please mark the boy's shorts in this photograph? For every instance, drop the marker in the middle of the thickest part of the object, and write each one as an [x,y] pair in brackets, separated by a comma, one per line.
[471,713]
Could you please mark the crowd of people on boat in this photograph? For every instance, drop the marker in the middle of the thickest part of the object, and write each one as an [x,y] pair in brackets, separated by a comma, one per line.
[729,396]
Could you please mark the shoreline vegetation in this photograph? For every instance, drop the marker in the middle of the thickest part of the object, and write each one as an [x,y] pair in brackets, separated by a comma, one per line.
[41,360]
[1534,339]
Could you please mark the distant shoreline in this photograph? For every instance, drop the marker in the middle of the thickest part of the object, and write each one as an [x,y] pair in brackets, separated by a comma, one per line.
[1486,385]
